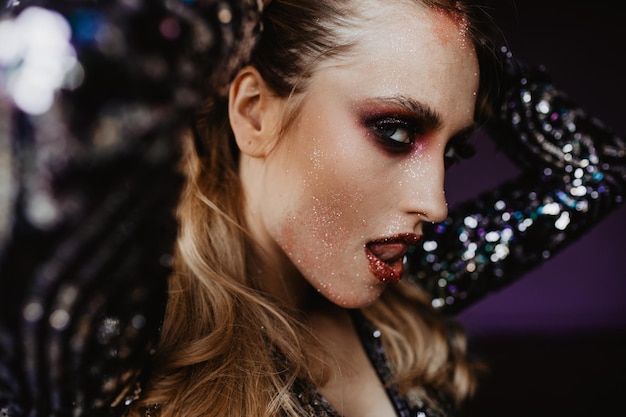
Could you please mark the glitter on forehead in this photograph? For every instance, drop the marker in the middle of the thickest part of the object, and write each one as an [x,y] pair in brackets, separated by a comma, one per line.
[442,21]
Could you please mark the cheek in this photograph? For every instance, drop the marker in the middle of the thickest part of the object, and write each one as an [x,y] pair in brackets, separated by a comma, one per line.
[328,211]
[319,232]
[334,196]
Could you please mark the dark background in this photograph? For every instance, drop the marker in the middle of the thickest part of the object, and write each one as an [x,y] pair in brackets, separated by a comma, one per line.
[555,340]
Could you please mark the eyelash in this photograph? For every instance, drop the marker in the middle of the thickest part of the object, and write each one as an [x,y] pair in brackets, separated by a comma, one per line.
[456,150]
[387,127]
[383,128]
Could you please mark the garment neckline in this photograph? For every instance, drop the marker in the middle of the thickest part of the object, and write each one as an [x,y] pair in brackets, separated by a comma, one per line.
[369,337]
[315,404]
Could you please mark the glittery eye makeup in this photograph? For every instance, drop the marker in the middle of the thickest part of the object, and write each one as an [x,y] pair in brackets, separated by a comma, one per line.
[393,133]
[397,123]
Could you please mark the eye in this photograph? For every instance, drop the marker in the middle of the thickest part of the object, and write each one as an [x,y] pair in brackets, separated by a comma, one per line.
[395,134]
[457,150]
[395,131]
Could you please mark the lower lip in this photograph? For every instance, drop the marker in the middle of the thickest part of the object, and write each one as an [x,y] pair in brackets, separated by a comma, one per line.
[385,273]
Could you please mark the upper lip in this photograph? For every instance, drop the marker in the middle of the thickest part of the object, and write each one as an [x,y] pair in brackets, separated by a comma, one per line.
[392,248]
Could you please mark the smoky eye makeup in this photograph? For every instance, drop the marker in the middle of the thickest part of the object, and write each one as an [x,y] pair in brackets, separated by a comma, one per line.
[397,123]
[459,148]
[394,133]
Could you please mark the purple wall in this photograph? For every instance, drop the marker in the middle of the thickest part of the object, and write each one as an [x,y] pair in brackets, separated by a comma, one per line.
[583,288]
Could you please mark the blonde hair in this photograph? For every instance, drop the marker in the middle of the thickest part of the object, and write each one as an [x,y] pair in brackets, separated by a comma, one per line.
[229,349]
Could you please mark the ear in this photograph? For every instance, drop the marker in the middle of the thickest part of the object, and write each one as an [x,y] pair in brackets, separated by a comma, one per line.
[251,111]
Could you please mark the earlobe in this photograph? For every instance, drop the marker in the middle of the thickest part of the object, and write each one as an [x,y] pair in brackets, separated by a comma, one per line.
[248,103]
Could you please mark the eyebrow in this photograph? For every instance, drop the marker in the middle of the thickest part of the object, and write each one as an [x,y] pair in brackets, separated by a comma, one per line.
[427,114]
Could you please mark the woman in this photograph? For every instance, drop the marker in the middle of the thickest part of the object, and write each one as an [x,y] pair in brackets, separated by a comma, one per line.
[308,180]
[344,122]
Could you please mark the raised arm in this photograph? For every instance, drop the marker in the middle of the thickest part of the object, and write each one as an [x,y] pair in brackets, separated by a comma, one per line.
[573,175]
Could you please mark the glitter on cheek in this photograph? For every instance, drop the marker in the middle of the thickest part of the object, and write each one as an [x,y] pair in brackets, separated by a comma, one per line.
[318,234]
[328,222]
[333,184]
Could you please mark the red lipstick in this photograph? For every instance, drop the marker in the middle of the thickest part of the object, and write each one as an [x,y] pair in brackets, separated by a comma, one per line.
[386,256]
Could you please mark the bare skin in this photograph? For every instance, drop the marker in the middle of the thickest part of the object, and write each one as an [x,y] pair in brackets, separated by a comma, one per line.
[353,388]
[363,164]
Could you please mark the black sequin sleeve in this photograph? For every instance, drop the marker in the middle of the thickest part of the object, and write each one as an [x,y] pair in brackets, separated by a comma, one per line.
[93,97]
[573,175]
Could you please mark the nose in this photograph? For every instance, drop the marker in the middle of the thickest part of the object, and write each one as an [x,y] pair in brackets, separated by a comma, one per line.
[422,190]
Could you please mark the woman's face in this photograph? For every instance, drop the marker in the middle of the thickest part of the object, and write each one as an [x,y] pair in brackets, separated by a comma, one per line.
[341,197]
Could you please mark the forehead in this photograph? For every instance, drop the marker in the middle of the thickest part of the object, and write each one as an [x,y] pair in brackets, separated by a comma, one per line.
[409,49]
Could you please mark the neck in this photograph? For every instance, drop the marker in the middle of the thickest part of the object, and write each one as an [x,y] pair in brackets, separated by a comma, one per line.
[276,275]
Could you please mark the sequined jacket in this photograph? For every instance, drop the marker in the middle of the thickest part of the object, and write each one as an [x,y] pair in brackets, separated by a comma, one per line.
[88,183]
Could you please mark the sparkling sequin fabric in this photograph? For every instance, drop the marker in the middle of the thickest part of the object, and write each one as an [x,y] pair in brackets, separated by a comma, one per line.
[93,95]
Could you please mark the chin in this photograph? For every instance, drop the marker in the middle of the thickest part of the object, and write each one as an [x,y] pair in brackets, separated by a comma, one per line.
[354,301]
